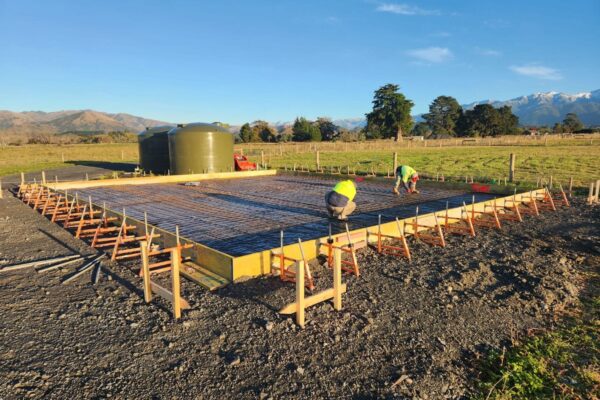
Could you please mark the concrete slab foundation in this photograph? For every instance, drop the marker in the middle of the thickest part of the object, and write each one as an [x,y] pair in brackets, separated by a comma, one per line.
[235,223]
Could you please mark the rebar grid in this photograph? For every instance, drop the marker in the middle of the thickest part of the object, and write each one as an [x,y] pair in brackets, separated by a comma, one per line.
[242,216]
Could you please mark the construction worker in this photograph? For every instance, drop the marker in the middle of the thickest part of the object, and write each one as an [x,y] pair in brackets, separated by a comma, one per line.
[339,201]
[404,175]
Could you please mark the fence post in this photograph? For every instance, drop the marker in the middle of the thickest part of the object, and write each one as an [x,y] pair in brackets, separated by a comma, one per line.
[300,293]
[597,190]
[175,281]
[318,160]
[395,163]
[1,194]
[146,272]
[511,168]
[43,177]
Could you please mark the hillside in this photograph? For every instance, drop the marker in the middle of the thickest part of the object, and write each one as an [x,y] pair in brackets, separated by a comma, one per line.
[83,121]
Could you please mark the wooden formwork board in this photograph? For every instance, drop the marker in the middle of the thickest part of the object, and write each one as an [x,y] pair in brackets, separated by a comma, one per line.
[259,263]
[149,180]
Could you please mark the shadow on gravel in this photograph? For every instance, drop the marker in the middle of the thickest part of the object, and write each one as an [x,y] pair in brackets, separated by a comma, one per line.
[113,166]
[59,241]
[137,290]
[269,293]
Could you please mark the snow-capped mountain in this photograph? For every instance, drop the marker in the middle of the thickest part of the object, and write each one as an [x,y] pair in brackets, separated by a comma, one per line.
[551,107]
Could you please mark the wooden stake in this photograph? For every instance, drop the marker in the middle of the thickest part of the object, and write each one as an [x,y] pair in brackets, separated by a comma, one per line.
[146,272]
[96,273]
[83,269]
[59,265]
[300,293]
[403,239]
[318,159]
[1,192]
[337,279]
[38,263]
[591,194]
[43,177]
[22,178]
[175,281]
[395,163]
[570,187]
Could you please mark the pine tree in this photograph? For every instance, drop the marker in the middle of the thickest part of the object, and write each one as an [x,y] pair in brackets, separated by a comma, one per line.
[391,114]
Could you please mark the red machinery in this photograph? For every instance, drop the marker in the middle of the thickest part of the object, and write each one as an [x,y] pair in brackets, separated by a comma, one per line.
[242,163]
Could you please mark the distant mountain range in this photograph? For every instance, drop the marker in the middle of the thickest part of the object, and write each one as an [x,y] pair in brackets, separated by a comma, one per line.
[535,109]
[551,107]
[75,121]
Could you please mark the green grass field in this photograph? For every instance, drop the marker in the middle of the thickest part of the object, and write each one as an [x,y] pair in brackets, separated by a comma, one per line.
[491,162]
[15,159]
[561,159]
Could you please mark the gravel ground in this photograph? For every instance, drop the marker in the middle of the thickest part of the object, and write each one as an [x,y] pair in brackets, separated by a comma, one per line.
[423,325]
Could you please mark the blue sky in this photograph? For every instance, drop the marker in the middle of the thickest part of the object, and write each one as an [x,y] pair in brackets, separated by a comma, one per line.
[238,61]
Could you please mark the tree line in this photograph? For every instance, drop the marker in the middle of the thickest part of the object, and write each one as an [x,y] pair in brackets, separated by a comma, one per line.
[391,117]
[302,130]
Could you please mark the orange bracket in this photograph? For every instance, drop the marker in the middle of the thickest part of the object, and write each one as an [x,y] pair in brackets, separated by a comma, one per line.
[382,248]
[282,263]
[488,218]
[459,226]
[430,239]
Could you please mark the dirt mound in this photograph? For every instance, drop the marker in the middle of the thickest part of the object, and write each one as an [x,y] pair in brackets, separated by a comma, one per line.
[481,277]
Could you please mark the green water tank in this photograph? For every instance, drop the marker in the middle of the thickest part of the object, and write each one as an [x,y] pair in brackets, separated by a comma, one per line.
[200,148]
[153,146]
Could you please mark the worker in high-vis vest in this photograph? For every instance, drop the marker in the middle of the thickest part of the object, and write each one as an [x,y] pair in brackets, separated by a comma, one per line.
[340,201]
[407,177]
